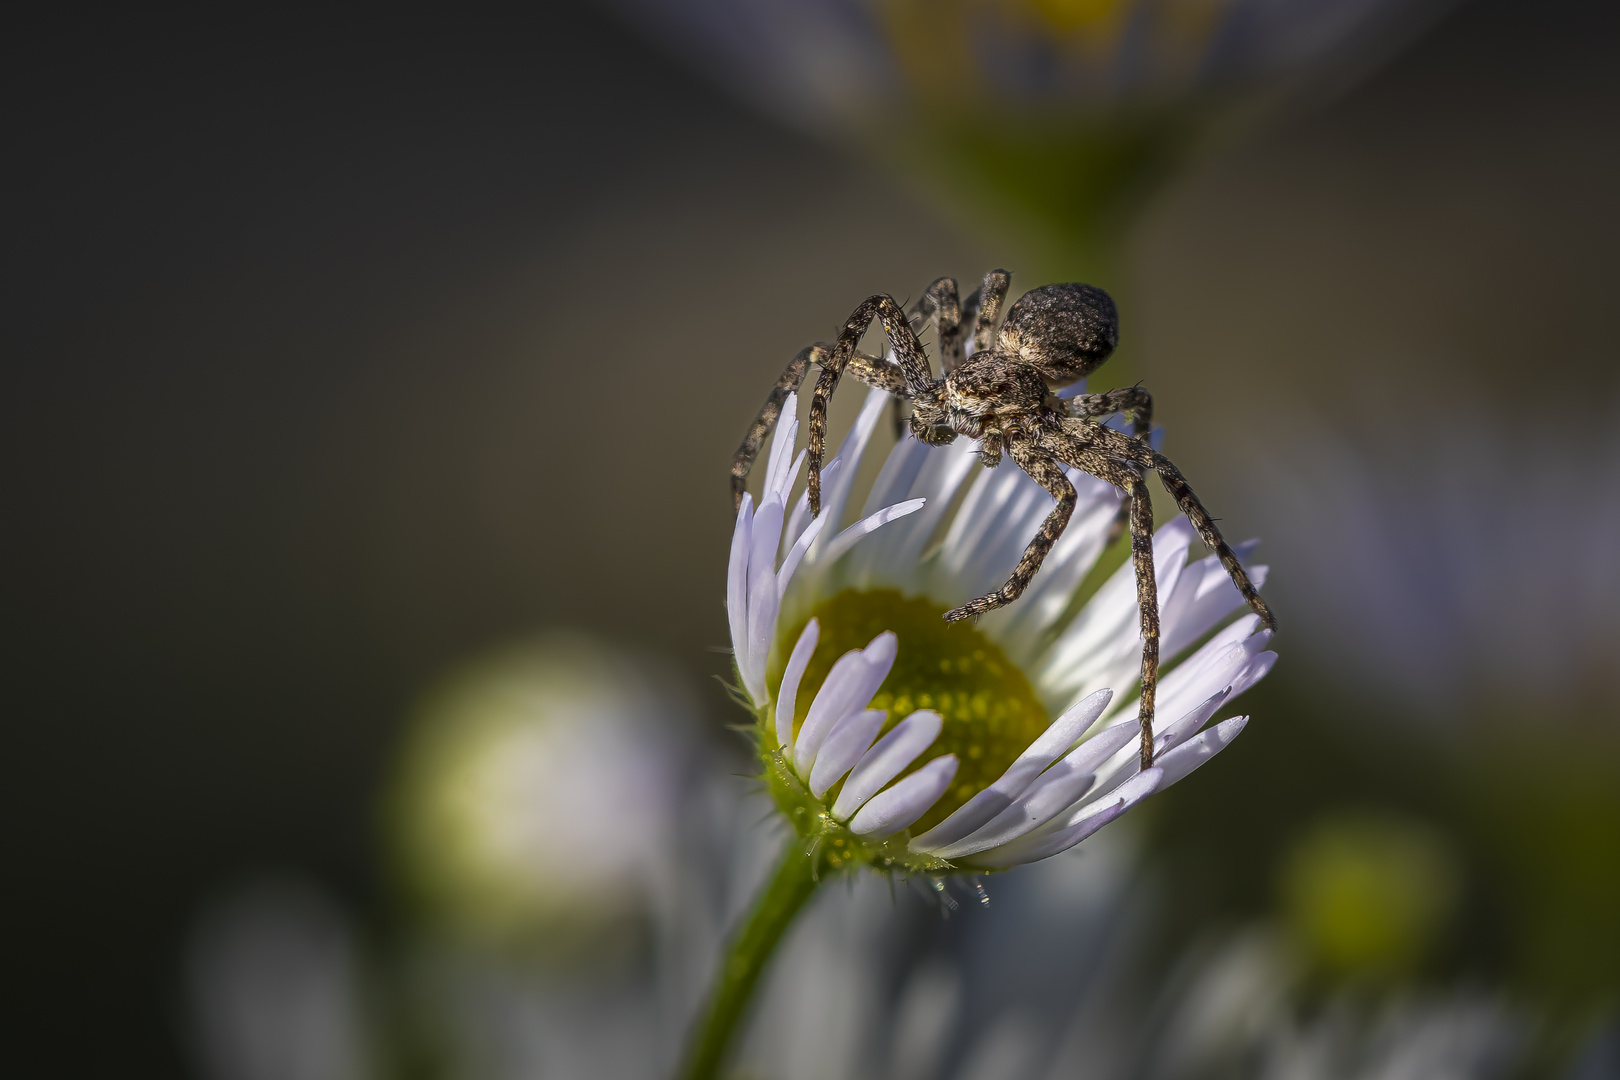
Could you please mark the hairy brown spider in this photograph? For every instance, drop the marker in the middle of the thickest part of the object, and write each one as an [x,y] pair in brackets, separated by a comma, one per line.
[998,387]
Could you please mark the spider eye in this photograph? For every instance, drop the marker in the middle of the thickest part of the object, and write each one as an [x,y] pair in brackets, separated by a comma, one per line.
[1065,330]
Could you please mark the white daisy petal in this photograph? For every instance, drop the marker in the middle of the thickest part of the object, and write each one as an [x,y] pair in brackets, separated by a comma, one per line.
[887,760]
[1047,748]
[800,519]
[1064,832]
[895,555]
[777,473]
[1056,790]
[891,810]
[762,595]
[1105,637]
[737,587]
[835,490]
[1179,731]
[1019,627]
[849,687]
[1253,672]
[795,553]
[850,536]
[787,699]
[1205,598]
[899,472]
[1206,672]
[1193,753]
[843,747]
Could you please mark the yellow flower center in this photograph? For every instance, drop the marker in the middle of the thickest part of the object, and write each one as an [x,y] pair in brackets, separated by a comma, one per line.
[991,712]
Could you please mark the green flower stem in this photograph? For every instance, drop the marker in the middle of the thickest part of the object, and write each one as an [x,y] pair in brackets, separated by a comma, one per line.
[795,880]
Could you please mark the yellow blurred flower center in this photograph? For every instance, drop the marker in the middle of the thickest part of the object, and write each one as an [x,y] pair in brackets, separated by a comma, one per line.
[991,712]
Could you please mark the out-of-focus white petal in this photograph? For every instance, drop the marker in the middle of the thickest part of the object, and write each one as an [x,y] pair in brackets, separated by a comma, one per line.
[850,536]
[888,759]
[787,699]
[835,490]
[1051,744]
[849,687]
[891,810]
[1020,627]
[894,556]
[1104,640]
[843,747]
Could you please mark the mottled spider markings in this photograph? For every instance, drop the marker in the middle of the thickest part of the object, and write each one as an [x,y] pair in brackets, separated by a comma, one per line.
[998,387]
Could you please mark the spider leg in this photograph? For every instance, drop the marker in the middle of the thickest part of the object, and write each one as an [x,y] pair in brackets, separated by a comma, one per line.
[937,307]
[912,361]
[1076,448]
[871,370]
[1176,485]
[1147,593]
[879,374]
[1044,469]
[1122,447]
[1133,399]
[743,461]
[987,311]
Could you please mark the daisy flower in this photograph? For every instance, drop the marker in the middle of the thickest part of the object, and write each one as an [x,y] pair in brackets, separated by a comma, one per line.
[891,738]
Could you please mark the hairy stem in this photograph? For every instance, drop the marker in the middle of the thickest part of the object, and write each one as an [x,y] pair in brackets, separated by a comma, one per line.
[795,880]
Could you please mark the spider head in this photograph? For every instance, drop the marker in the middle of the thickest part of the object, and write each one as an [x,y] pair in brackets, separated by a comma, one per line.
[1064,331]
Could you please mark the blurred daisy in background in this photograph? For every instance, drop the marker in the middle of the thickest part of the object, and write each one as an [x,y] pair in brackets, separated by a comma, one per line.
[566,846]
[1055,119]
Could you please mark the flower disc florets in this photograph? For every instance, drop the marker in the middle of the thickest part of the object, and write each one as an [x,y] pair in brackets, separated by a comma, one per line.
[990,713]
[892,738]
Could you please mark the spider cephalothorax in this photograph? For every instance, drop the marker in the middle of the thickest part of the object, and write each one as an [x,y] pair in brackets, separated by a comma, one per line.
[997,386]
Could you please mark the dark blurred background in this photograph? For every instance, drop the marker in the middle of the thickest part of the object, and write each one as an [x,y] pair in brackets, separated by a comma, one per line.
[340,347]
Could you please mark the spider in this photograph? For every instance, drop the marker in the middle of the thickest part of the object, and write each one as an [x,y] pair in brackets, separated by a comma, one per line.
[998,387]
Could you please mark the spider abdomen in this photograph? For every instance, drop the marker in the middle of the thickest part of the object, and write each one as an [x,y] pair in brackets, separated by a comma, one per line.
[1065,330]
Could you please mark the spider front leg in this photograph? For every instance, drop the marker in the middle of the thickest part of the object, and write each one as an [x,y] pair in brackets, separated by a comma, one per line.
[1044,469]
[984,308]
[937,307]
[743,461]
[908,352]
[868,369]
